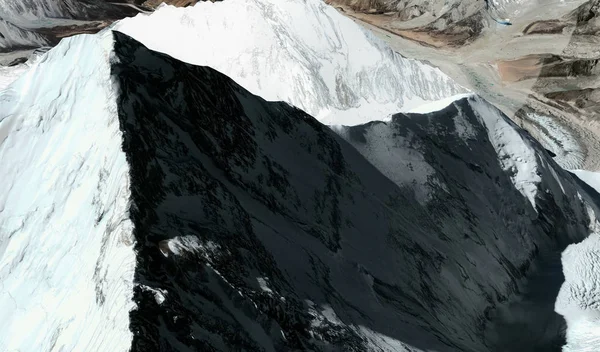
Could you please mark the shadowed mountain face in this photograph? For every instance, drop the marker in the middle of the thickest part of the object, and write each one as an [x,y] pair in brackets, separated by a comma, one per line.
[259,228]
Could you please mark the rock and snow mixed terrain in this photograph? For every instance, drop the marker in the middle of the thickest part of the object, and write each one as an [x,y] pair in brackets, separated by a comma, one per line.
[151,204]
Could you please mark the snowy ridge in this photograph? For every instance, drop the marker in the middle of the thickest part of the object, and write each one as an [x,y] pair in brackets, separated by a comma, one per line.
[516,155]
[66,258]
[303,52]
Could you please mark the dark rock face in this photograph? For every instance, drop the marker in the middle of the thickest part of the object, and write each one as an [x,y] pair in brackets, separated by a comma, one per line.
[258,228]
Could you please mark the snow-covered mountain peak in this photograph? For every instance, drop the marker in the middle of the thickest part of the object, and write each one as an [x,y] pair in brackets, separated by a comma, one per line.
[255,226]
[301,52]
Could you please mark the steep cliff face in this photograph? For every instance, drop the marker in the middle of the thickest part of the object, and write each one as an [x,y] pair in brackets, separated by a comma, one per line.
[258,227]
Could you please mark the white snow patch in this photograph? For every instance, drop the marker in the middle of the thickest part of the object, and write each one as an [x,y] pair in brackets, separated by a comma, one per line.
[589,177]
[10,74]
[263,285]
[329,314]
[380,342]
[159,294]
[66,246]
[515,154]
[437,105]
[180,245]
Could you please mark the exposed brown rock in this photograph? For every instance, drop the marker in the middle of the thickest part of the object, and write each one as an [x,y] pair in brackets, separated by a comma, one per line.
[546,66]
[454,28]
[179,3]
[458,33]
[55,34]
[546,27]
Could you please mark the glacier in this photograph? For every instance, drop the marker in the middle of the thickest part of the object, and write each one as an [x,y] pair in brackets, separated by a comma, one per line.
[152,204]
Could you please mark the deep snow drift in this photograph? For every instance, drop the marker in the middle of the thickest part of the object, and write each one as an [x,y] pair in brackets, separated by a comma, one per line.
[254,225]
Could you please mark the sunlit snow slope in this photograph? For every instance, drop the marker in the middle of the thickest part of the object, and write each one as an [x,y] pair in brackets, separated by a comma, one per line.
[66,257]
[303,52]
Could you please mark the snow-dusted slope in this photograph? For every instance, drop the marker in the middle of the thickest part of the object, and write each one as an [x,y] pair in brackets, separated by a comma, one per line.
[33,9]
[302,52]
[66,258]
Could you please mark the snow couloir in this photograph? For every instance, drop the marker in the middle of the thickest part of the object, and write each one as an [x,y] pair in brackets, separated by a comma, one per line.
[149,204]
